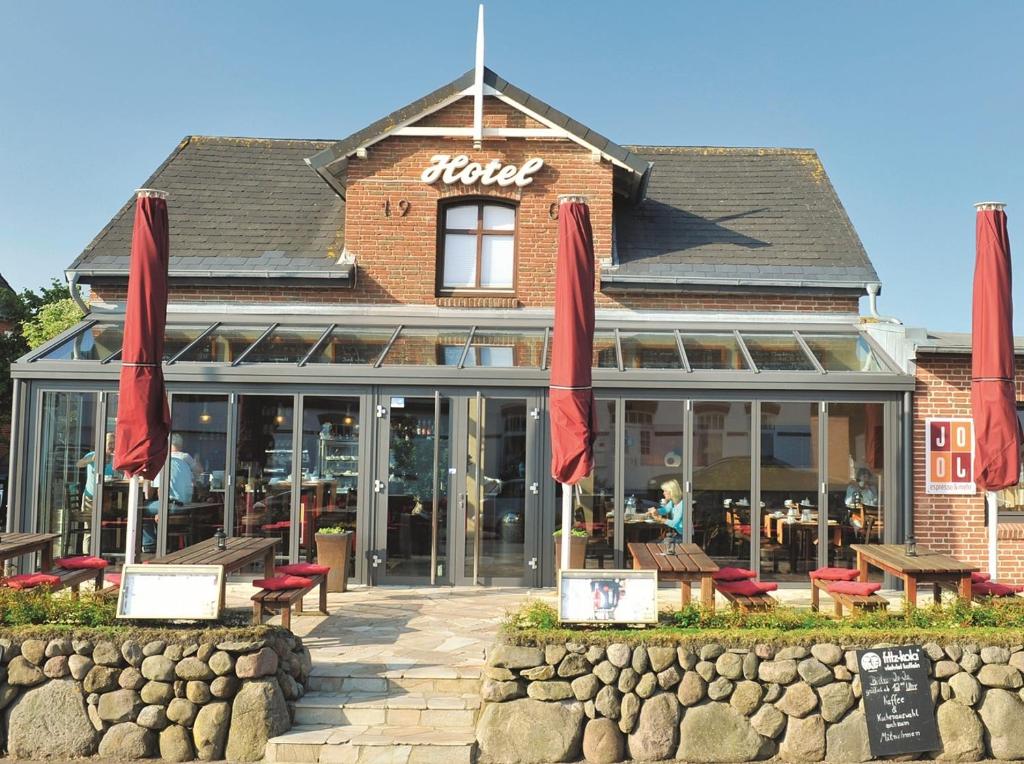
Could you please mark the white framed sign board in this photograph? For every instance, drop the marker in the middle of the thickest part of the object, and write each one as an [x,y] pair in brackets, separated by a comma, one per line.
[608,596]
[172,592]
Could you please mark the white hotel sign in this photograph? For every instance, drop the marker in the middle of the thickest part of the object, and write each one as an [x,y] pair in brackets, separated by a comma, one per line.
[458,169]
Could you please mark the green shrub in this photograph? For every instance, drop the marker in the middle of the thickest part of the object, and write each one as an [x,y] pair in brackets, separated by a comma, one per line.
[997,618]
[30,607]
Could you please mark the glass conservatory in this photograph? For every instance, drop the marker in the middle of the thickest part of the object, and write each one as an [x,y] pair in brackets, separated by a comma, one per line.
[428,439]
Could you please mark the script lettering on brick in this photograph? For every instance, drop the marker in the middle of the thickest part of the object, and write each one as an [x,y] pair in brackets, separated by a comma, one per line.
[459,169]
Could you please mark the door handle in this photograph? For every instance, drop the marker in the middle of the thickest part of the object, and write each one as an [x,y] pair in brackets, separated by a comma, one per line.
[532,563]
[534,488]
[378,486]
[376,560]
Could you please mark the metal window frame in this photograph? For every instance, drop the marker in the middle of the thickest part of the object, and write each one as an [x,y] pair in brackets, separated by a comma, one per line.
[202,336]
[266,333]
[317,345]
[465,350]
[807,350]
[745,351]
[383,353]
[682,352]
[60,339]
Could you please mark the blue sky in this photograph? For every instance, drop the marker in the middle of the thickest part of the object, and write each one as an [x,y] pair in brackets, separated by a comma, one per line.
[915,107]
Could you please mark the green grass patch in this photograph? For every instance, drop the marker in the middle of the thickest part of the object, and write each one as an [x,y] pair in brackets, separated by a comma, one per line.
[997,622]
[40,614]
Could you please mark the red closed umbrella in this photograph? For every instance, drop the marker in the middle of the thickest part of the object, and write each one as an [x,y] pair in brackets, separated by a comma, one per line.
[143,418]
[993,397]
[571,398]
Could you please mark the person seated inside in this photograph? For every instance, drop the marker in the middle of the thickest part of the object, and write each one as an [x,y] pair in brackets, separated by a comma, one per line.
[182,480]
[861,493]
[89,462]
[670,512]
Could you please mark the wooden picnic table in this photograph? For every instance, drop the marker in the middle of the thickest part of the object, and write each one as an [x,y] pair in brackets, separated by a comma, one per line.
[926,567]
[686,564]
[241,551]
[17,544]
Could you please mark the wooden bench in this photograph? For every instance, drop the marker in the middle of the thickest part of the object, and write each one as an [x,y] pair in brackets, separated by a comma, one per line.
[73,579]
[746,603]
[851,602]
[269,601]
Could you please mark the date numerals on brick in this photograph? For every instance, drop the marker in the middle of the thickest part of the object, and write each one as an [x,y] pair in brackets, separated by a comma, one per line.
[401,208]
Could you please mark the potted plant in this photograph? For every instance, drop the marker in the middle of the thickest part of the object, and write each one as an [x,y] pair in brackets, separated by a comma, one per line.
[333,548]
[578,538]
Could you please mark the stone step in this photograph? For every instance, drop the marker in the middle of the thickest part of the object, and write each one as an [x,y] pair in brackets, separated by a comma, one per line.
[387,708]
[362,744]
[435,682]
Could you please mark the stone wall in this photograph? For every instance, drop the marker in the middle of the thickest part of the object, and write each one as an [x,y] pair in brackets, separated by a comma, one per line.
[715,703]
[66,698]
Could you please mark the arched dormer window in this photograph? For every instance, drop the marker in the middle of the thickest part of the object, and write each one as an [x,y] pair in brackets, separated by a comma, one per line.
[477,246]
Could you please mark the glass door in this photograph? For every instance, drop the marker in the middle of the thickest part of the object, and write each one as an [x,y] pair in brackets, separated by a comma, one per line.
[496,494]
[410,490]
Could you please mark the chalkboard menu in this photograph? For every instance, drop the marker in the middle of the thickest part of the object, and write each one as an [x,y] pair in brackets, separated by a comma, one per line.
[897,700]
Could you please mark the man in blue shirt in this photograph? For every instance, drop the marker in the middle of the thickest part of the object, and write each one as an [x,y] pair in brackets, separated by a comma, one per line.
[182,479]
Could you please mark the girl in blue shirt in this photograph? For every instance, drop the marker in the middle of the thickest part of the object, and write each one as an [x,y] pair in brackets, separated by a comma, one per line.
[671,510]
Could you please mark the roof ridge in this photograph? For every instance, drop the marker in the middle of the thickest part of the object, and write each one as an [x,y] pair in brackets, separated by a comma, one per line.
[722,149]
[243,138]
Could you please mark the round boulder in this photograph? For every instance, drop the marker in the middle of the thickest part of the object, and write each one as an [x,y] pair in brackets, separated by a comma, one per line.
[176,744]
[259,712]
[603,742]
[713,732]
[50,722]
[158,668]
[656,734]
[526,731]
[127,741]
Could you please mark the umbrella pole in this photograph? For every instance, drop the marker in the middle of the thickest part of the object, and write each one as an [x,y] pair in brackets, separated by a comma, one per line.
[133,521]
[993,533]
[566,524]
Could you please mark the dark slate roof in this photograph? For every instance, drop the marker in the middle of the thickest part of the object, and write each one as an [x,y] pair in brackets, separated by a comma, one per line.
[956,343]
[379,129]
[737,216]
[238,207]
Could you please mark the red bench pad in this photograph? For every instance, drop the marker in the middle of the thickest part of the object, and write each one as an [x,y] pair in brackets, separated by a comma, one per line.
[278,583]
[995,589]
[29,580]
[746,588]
[733,574]
[81,562]
[863,588]
[980,578]
[833,574]
[304,569]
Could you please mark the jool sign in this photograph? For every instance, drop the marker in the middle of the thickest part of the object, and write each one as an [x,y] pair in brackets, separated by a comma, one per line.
[949,456]
[897,700]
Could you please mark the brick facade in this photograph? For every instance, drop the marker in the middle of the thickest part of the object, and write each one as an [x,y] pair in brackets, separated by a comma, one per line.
[956,524]
[391,220]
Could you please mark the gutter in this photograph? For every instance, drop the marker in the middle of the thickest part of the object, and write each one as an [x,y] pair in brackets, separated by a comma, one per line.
[660,281]
[74,275]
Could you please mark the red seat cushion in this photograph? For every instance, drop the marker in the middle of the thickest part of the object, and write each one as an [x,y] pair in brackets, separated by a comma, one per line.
[29,580]
[113,578]
[833,574]
[81,562]
[277,583]
[995,589]
[979,578]
[277,526]
[854,587]
[745,587]
[304,569]
[733,574]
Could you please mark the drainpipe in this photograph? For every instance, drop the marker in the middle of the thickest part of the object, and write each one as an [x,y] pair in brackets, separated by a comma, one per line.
[908,465]
[873,290]
[72,278]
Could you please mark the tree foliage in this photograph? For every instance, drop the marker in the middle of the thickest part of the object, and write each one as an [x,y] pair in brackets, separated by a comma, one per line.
[20,309]
[51,319]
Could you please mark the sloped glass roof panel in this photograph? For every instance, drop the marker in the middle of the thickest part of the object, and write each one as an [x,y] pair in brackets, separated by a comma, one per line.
[505,349]
[353,347]
[285,345]
[93,344]
[777,352]
[177,337]
[843,352]
[713,352]
[650,350]
[224,344]
[605,355]
[427,347]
